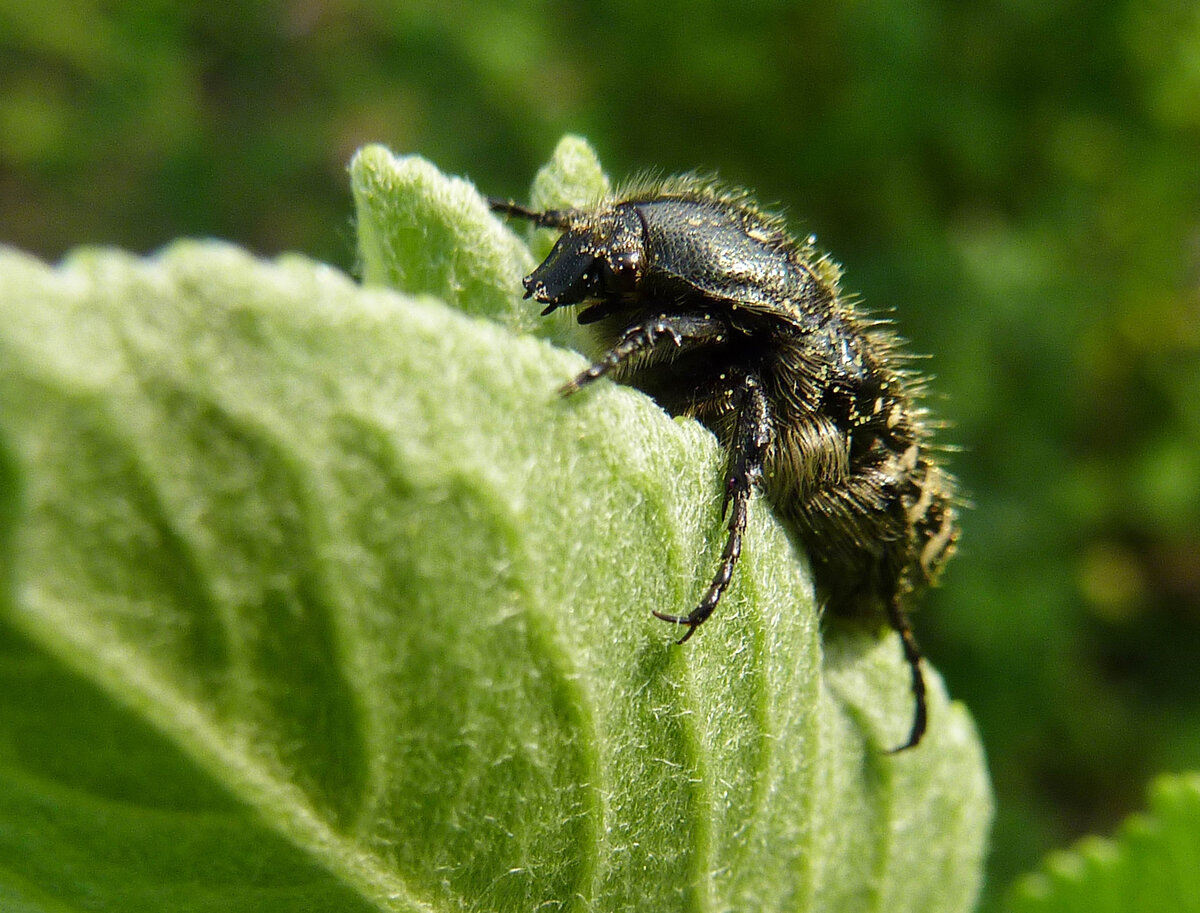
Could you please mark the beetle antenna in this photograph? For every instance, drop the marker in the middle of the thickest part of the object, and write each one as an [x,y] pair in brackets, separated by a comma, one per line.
[551,218]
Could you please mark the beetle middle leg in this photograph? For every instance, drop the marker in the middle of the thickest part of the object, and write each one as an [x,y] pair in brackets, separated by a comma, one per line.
[747,452]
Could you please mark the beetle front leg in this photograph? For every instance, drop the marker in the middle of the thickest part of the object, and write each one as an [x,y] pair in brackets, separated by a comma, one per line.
[752,436]
[684,330]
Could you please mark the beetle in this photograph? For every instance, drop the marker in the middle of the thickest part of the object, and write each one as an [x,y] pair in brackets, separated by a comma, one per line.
[700,298]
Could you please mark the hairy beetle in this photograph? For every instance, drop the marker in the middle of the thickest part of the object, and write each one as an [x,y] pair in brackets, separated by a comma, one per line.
[704,301]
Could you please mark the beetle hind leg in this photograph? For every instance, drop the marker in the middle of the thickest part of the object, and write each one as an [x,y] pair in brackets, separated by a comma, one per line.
[912,655]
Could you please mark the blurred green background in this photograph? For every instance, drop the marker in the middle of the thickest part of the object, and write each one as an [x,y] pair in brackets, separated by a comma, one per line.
[1019,180]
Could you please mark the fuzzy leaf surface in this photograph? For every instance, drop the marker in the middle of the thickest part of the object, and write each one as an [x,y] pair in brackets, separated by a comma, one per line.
[316,596]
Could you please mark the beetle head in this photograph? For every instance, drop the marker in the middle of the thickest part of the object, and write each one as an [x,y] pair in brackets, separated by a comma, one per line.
[599,257]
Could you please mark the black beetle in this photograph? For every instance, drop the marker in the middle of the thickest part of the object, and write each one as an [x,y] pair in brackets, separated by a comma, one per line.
[705,302]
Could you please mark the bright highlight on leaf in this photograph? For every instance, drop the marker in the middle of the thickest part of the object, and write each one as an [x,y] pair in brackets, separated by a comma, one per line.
[317,597]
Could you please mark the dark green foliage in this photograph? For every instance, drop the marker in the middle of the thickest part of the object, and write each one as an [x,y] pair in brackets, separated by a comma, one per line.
[1151,864]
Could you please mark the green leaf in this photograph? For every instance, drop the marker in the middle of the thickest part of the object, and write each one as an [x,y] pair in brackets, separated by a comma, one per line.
[424,233]
[316,596]
[1152,865]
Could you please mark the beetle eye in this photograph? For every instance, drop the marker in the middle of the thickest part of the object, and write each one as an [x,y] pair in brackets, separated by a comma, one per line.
[622,272]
